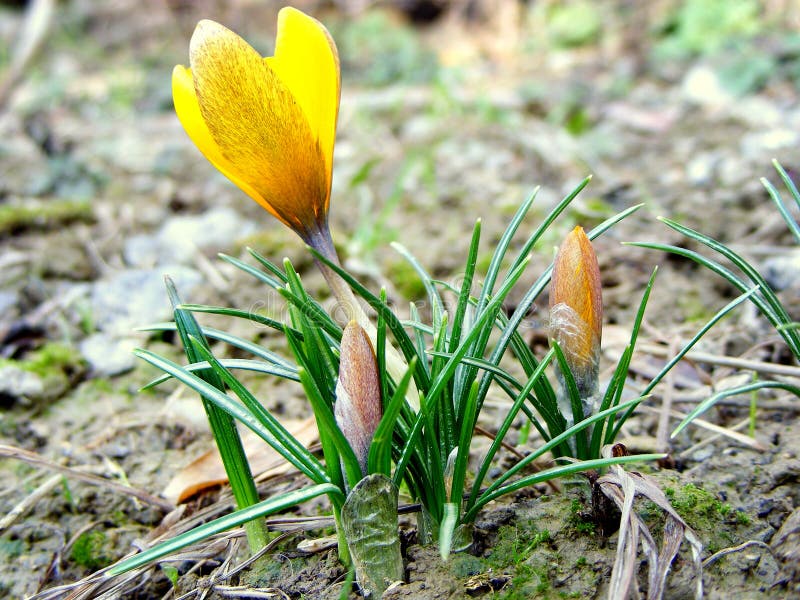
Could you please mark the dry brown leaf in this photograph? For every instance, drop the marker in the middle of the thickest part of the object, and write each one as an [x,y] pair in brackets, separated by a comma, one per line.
[621,487]
[207,471]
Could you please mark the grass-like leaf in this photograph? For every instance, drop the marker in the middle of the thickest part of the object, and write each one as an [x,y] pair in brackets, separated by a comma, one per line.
[313,469]
[234,312]
[612,433]
[222,425]
[241,364]
[233,340]
[380,451]
[203,532]
[548,447]
[734,391]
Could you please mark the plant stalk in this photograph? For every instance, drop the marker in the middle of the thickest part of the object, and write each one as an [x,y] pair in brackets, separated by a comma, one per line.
[349,308]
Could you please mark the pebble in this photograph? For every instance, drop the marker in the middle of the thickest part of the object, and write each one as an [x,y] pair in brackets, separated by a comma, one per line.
[782,271]
[23,169]
[19,386]
[180,238]
[700,169]
[702,86]
[137,297]
[8,300]
[108,355]
[763,145]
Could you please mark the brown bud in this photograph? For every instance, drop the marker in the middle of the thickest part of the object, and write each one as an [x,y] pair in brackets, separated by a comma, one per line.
[358,391]
[576,307]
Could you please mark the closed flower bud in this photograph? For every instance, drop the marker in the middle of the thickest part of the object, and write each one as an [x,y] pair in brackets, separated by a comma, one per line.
[358,392]
[576,309]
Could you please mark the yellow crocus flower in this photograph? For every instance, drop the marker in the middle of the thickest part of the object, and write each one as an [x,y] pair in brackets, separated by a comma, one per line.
[268,124]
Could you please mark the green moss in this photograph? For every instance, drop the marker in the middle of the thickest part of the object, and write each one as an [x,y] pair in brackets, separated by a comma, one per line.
[53,213]
[11,548]
[515,543]
[56,364]
[529,582]
[466,565]
[577,519]
[742,518]
[405,279]
[698,506]
[50,358]
[90,550]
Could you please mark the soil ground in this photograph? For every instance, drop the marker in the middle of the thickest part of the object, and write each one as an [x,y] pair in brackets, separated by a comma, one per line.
[441,123]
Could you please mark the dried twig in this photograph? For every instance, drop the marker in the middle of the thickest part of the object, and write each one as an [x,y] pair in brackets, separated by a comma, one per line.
[39,461]
[745,440]
[764,368]
[711,439]
[725,551]
[32,35]
[621,487]
[29,502]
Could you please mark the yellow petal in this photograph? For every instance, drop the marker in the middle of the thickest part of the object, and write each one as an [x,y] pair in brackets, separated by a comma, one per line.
[258,127]
[306,60]
[188,111]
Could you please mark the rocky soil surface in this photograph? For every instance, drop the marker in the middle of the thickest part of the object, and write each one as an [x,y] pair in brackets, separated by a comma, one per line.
[102,194]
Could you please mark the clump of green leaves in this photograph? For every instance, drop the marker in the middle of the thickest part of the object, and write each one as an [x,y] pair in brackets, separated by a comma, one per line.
[572,24]
[453,360]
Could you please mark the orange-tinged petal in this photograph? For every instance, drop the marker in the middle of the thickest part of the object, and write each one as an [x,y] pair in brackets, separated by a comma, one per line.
[259,128]
[576,302]
[188,111]
[306,60]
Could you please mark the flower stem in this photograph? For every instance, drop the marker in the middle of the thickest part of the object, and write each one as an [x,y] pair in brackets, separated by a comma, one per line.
[350,308]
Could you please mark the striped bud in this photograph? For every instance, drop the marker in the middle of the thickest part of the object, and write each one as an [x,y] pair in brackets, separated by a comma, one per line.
[576,309]
[358,392]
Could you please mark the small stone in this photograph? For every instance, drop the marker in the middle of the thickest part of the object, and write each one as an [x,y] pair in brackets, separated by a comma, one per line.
[134,298]
[8,300]
[758,112]
[786,543]
[107,355]
[702,86]
[19,386]
[764,144]
[180,238]
[702,454]
[700,170]
[23,167]
[782,272]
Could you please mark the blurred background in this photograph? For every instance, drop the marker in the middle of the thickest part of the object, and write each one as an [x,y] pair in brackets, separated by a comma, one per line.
[451,111]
